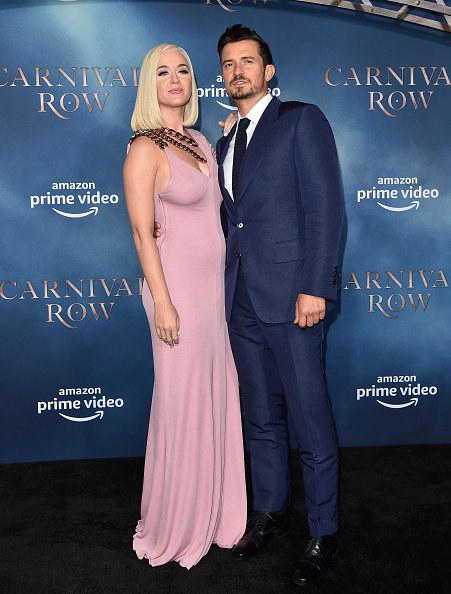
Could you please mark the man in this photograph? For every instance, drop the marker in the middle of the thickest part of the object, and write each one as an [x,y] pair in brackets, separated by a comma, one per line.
[280,180]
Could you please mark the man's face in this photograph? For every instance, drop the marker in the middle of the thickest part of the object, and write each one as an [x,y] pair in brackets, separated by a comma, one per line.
[243,72]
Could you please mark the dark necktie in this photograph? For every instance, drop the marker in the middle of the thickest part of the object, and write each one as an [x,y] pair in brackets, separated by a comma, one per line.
[238,152]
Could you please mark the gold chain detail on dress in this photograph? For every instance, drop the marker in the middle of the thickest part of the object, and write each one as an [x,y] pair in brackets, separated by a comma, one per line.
[161,137]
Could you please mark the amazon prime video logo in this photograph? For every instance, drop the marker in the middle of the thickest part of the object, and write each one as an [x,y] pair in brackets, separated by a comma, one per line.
[217,91]
[79,405]
[73,200]
[397,194]
[396,391]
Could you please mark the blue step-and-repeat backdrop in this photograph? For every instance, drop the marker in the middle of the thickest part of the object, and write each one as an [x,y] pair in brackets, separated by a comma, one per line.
[76,359]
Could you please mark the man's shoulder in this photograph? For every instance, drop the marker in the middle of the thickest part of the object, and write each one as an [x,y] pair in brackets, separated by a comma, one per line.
[296,107]
[298,113]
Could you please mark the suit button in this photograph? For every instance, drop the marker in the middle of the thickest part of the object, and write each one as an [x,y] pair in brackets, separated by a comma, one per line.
[236,254]
[240,225]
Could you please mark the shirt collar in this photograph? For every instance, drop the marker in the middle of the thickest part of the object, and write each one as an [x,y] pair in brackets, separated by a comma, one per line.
[257,111]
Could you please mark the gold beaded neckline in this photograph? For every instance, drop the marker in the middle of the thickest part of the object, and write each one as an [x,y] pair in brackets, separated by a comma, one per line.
[161,137]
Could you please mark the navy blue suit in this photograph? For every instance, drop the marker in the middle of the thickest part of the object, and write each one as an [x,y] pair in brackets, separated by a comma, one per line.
[283,236]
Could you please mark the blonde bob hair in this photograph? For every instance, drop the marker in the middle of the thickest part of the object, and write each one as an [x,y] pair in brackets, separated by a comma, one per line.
[147,112]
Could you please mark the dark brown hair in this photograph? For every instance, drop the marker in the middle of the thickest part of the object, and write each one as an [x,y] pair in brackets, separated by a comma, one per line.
[239,33]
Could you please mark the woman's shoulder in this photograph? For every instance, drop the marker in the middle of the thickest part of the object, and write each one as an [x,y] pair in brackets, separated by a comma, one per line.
[143,147]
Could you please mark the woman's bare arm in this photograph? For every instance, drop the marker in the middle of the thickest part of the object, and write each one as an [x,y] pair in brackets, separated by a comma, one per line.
[141,171]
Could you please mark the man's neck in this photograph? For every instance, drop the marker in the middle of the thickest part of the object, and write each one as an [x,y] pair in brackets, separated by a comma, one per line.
[245,105]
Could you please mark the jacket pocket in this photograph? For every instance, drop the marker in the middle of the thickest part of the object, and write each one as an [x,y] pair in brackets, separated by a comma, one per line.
[287,251]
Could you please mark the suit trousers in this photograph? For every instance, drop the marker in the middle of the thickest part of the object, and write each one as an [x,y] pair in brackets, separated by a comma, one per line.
[281,372]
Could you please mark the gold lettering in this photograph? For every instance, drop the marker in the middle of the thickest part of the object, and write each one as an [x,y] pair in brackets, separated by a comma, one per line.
[423,278]
[43,77]
[372,280]
[108,290]
[2,289]
[375,300]
[96,314]
[29,290]
[91,287]
[378,101]
[400,79]
[222,5]
[20,76]
[124,287]
[422,98]
[352,280]
[71,285]
[76,308]
[391,276]
[84,76]
[327,79]
[49,102]
[419,302]
[396,302]
[51,289]
[57,314]
[99,78]
[72,103]
[67,76]
[352,76]
[400,97]
[443,75]
[425,76]
[441,278]
[374,76]
[5,70]
[135,76]
[96,101]
[118,76]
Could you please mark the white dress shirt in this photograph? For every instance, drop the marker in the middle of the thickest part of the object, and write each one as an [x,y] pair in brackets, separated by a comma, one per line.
[254,116]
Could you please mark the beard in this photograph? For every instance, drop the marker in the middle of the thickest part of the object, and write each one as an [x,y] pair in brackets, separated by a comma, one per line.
[241,93]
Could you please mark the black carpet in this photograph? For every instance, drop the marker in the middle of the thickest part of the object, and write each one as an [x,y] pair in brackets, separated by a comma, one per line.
[66,527]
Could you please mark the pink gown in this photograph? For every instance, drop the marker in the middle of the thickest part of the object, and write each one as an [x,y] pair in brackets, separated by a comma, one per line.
[194,484]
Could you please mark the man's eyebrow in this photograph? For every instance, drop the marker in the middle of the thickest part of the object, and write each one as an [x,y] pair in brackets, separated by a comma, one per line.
[240,58]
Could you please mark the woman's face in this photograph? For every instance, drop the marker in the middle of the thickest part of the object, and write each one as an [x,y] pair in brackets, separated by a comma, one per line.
[174,81]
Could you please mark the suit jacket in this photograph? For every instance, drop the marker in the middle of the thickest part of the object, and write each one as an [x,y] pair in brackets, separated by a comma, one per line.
[286,219]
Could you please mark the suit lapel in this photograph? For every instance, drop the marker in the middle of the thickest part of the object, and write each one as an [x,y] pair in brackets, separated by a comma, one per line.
[257,145]
[224,142]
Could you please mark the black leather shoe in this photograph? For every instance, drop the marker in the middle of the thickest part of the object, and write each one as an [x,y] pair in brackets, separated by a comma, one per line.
[317,559]
[261,528]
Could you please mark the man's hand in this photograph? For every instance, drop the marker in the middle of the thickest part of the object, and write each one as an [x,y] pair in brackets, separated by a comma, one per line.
[229,123]
[309,310]
[156,227]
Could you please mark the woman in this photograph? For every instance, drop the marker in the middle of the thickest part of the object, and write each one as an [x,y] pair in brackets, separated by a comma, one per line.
[194,486]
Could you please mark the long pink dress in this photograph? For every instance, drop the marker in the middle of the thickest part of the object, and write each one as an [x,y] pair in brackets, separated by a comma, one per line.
[194,484]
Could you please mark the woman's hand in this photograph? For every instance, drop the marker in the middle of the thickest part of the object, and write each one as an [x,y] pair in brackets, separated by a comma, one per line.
[229,123]
[167,323]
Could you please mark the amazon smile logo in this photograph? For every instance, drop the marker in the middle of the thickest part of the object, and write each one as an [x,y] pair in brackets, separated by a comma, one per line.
[388,390]
[79,405]
[63,200]
[397,194]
